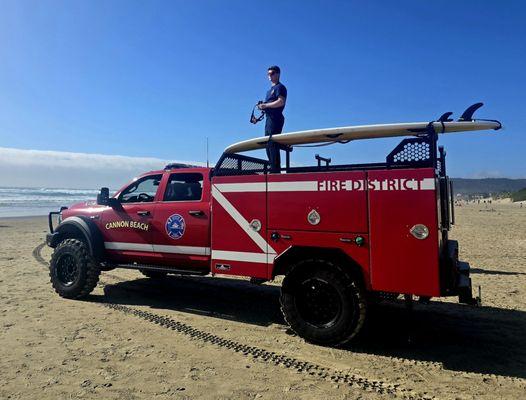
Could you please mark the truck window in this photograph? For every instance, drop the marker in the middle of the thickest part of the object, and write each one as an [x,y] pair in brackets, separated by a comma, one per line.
[141,191]
[184,187]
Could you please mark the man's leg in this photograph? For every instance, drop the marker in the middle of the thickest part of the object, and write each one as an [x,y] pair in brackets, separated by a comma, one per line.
[273,156]
[278,128]
[272,147]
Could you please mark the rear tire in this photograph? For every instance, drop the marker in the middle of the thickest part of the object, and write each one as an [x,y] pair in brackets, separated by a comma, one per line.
[73,271]
[322,303]
[154,274]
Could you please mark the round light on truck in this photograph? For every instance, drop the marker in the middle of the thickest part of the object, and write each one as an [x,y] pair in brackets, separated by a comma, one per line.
[314,217]
[419,231]
[255,225]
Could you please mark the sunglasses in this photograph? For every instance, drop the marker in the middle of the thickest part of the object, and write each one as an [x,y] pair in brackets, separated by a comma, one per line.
[271,73]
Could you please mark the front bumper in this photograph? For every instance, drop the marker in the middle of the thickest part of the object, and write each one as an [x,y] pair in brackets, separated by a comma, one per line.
[52,239]
[50,219]
[52,236]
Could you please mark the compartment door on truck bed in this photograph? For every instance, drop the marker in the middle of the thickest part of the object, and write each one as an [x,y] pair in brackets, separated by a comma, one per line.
[398,201]
[239,223]
[339,198]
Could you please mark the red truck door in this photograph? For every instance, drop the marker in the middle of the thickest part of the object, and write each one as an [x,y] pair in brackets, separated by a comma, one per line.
[399,201]
[127,228]
[239,224]
[181,229]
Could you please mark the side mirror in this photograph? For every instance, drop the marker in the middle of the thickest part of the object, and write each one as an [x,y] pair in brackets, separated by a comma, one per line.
[113,202]
[103,197]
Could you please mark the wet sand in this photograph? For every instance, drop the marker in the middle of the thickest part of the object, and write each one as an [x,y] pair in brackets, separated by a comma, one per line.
[97,348]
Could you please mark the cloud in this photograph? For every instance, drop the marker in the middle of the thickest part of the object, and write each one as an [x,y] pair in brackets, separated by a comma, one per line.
[38,168]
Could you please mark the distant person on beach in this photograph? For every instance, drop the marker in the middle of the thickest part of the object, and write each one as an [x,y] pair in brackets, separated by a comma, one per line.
[273,106]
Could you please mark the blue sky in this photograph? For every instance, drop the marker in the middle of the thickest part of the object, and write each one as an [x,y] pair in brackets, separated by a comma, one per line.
[154,79]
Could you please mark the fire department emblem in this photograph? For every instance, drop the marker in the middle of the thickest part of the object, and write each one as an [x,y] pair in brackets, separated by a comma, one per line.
[175,226]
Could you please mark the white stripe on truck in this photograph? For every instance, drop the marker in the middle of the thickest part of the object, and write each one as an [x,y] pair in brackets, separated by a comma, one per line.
[242,256]
[330,185]
[158,248]
[241,221]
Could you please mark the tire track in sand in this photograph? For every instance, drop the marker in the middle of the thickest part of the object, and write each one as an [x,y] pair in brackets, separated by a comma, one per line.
[255,353]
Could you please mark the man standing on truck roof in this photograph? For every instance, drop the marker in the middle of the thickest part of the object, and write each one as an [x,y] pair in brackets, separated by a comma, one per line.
[273,106]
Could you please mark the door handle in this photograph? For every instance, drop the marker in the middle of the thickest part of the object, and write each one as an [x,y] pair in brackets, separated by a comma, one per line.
[143,213]
[196,213]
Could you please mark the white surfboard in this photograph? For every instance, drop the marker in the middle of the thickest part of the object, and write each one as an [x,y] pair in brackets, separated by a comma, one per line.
[361,132]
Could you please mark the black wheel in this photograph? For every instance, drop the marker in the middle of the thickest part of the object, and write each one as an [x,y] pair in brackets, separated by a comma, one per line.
[154,274]
[73,272]
[322,303]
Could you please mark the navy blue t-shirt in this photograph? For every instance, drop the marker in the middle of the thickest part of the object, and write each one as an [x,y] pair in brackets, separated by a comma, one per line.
[272,95]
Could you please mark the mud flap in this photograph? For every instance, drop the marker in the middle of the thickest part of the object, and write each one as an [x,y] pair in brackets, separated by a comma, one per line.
[465,294]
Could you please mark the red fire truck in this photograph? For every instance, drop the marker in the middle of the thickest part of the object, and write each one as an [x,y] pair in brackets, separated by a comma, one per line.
[339,234]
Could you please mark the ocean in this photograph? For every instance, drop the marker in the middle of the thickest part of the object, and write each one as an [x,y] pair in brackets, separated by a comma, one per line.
[22,202]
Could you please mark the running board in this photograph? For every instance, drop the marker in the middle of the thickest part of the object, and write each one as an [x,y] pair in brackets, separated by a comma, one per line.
[158,268]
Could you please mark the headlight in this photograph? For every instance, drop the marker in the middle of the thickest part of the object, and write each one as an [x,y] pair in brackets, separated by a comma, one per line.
[60,213]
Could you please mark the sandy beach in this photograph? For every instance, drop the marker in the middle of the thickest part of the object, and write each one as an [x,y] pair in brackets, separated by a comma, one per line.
[212,338]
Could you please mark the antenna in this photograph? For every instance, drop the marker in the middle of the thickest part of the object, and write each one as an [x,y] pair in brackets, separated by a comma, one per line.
[207,163]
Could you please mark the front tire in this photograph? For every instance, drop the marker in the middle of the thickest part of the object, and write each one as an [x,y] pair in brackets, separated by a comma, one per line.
[73,271]
[322,303]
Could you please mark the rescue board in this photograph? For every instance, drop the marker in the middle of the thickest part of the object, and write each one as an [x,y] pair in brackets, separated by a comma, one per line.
[359,132]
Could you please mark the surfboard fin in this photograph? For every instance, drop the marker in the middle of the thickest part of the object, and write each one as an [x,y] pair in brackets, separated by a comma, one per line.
[468,114]
[445,117]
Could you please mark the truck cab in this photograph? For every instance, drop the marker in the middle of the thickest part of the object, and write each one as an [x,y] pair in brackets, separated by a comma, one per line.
[160,219]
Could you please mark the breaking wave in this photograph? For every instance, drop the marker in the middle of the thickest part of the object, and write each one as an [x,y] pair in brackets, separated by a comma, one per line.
[39,201]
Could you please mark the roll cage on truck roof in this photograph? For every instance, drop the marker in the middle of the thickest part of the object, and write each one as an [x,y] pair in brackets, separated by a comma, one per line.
[341,235]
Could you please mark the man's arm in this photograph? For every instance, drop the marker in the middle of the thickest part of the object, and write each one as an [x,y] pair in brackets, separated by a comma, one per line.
[280,102]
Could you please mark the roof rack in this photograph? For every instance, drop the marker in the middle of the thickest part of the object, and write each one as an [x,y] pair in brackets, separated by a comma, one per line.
[179,165]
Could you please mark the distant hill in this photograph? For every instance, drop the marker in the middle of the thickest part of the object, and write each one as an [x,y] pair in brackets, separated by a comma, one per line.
[486,186]
[519,195]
